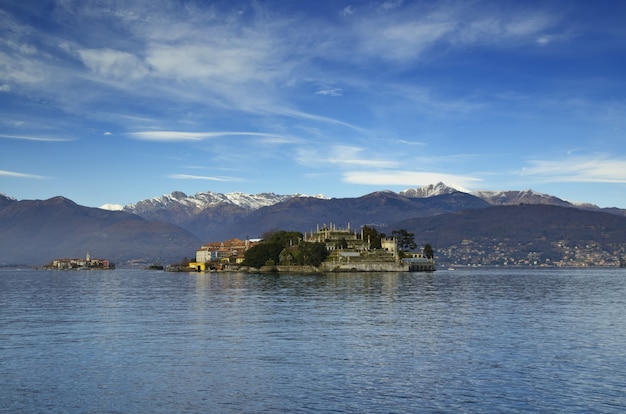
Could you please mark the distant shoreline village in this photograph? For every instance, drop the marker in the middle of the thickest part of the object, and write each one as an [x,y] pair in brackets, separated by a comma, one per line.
[80,264]
[345,251]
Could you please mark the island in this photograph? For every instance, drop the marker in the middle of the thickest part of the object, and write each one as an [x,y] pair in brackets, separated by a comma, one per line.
[80,264]
[327,249]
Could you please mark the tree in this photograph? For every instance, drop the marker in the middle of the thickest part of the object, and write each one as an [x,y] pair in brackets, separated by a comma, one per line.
[312,254]
[428,251]
[259,255]
[282,237]
[405,240]
[373,236]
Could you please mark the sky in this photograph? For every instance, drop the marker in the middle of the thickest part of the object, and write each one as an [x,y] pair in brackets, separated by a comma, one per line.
[120,101]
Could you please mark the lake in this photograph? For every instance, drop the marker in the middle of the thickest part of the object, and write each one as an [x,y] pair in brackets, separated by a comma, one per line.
[479,340]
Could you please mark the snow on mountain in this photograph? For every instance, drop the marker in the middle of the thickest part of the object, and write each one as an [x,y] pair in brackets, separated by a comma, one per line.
[496,198]
[112,207]
[203,200]
[428,191]
[191,205]
[503,198]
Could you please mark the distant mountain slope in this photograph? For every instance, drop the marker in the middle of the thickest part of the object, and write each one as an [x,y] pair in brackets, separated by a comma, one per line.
[376,209]
[212,216]
[511,198]
[37,231]
[491,235]
[6,200]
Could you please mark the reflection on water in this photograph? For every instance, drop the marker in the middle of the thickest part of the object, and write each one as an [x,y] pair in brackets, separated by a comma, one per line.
[471,341]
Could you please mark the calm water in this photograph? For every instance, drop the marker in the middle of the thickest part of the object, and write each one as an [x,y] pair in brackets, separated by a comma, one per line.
[450,341]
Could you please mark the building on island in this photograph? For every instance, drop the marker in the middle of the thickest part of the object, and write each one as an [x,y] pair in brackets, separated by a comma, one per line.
[221,255]
[80,264]
[351,251]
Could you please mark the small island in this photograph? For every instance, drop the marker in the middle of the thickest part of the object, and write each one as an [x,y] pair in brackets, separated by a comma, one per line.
[80,264]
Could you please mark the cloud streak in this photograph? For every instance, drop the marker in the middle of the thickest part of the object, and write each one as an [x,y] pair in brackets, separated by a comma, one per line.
[13,174]
[203,178]
[409,178]
[180,136]
[34,138]
[598,169]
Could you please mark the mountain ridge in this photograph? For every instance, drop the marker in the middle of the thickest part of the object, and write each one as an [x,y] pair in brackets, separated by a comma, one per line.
[38,231]
[35,231]
[199,202]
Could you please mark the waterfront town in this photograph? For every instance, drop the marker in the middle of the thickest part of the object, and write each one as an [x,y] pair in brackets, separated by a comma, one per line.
[560,253]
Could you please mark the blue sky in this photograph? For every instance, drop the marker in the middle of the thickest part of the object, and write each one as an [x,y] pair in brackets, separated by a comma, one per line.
[118,101]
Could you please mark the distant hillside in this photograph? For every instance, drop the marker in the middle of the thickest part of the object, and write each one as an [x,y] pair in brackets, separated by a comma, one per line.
[38,231]
[514,234]
[215,216]
[304,213]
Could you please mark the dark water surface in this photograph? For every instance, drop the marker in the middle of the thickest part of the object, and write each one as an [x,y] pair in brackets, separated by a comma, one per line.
[451,341]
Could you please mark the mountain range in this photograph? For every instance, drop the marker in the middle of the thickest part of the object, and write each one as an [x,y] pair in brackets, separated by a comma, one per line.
[168,227]
[34,232]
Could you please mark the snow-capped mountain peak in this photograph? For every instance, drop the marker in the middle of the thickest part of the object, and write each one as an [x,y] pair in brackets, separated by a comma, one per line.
[203,200]
[499,198]
[429,191]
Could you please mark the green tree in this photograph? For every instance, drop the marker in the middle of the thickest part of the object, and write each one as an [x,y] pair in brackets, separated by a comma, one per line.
[282,237]
[312,254]
[428,251]
[259,255]
[373,236]
[405,240]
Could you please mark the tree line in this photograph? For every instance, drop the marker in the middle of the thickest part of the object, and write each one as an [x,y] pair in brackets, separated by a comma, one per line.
[285,248]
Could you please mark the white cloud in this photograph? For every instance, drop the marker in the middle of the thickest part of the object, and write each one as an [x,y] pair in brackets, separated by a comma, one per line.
[409,178]
[400,41]
[202,177]
[348,156]
[4,173]
[113,64]
[405,142]
[347,11]
[330,92]
[391,4]
[174,136]
[242,62]
[598,169]
[112,207]
[34,138]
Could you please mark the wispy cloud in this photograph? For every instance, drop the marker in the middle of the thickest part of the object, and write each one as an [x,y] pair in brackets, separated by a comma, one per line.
[35,138]
[409,178]
[176,136]
[114,64]
[202,177]
[345,156]
[330,92]
[593,169]
[13,174]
